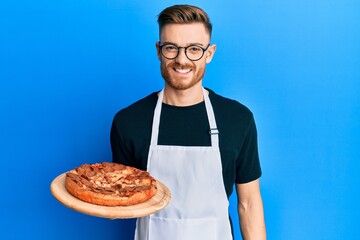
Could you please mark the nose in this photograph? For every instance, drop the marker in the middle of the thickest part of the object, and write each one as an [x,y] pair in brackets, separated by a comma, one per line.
[181,57]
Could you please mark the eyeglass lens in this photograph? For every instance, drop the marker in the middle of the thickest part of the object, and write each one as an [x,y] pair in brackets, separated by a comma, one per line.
[193,52]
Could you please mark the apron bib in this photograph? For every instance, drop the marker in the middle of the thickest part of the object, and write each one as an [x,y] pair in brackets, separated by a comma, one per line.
[198,209]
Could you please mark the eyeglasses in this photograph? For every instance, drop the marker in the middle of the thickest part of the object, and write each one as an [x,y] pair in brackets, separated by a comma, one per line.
[192,52]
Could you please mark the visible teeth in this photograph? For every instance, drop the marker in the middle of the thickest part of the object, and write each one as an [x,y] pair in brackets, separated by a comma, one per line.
[183,70]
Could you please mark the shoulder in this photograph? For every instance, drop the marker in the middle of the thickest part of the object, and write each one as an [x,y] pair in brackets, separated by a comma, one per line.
[226,108]
[137,115]
[139,108]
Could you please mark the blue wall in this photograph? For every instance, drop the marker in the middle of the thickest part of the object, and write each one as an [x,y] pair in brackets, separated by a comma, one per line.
[67,66]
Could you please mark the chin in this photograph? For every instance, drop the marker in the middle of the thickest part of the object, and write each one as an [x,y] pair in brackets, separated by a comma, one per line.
[181,85]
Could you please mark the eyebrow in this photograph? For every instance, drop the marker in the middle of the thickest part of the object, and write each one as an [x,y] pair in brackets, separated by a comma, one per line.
[190,44]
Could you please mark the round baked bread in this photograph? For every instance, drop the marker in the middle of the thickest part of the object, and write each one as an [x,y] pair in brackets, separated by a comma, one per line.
[110,184]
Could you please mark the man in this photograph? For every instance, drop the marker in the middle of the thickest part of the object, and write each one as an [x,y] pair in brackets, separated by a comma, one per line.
[194,141]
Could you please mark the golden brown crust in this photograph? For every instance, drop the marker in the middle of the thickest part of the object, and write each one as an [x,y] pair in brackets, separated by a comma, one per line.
[110,184]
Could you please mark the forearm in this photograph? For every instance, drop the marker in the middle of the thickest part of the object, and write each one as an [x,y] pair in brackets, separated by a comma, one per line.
[252,223]
[251,212]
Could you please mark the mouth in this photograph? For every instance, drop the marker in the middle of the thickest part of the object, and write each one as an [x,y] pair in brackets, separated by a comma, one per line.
[182,71]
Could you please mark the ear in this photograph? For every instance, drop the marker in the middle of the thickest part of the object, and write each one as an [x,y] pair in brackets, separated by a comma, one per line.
[210,53]
[158,50]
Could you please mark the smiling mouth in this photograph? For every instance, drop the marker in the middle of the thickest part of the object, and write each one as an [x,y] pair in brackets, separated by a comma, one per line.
[182,71]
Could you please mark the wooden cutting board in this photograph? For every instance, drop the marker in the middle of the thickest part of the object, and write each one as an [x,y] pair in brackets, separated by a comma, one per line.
[154,204]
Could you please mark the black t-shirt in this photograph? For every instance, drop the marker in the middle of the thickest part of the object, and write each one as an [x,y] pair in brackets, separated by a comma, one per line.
[188,126]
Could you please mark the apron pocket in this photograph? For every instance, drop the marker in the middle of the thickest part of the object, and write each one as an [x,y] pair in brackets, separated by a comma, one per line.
[183,229]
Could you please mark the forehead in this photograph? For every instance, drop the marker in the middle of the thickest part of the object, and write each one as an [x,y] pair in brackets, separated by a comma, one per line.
[184,34]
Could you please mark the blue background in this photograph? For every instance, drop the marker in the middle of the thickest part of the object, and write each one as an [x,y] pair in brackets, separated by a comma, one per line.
[66,67]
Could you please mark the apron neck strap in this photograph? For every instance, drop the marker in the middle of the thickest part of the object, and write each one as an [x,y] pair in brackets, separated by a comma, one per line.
[213,131]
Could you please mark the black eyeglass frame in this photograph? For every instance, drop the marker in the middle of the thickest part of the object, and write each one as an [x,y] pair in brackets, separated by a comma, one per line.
[185,49]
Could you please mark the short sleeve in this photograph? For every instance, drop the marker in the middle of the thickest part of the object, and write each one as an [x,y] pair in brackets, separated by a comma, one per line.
[120,153]
[248,163]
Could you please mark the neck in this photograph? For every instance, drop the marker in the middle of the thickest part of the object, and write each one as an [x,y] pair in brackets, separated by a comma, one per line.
[183,98]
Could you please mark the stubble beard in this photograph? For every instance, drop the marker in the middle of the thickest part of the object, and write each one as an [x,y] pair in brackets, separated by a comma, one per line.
[178,83]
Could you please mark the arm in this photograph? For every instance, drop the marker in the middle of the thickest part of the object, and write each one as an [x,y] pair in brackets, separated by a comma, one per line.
[120,154]
[250,209]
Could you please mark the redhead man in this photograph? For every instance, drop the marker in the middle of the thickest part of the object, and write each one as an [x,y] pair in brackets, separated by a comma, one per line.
[198,143]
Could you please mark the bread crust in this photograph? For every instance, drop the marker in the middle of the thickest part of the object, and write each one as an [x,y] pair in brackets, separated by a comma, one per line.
[83,184]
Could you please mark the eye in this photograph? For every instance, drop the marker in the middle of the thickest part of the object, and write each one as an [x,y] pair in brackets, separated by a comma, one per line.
[170,48]
[194,49]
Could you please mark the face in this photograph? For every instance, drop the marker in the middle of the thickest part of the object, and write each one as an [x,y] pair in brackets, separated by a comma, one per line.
[181,73]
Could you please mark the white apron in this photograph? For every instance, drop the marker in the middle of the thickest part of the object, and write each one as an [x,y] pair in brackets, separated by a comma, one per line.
[198,209]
